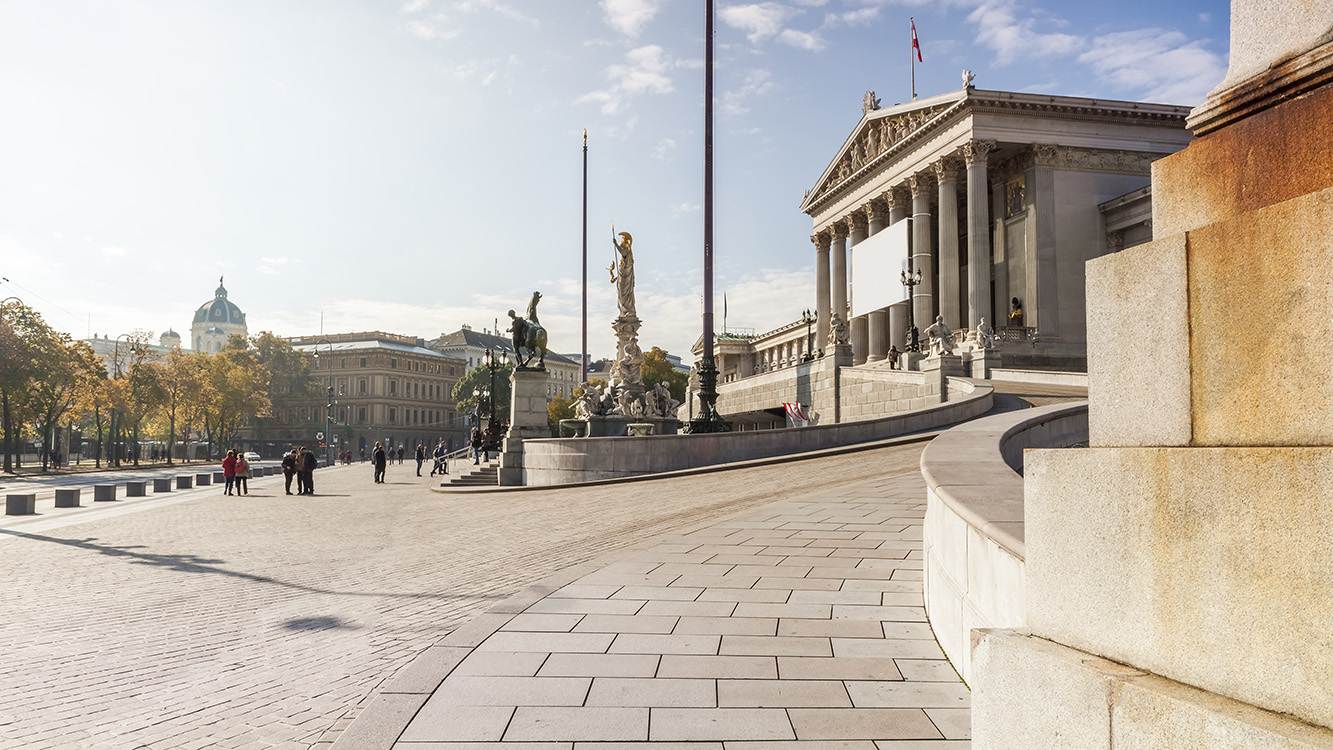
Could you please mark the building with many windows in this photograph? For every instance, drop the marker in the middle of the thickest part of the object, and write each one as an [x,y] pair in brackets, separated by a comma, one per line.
[386,388]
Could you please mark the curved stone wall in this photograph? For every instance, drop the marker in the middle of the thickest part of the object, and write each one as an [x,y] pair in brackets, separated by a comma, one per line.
[973,535]
[573,460]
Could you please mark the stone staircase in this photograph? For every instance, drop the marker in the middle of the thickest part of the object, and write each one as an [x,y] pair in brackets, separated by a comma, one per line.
[485,474]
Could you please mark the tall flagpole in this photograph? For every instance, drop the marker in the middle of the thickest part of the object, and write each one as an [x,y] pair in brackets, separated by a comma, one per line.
[708,420]
[584,377]
[912,51]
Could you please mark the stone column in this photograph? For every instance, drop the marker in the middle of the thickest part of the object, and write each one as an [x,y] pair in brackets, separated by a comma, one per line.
[858,225]
[822,303]
[838,268]
[898,325]
[896,199]
[950,291]
[924,304]
[1000,305]
[875,217]
[978,234]
[879,335]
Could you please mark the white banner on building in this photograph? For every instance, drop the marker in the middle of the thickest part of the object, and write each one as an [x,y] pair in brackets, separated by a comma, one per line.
[876,265]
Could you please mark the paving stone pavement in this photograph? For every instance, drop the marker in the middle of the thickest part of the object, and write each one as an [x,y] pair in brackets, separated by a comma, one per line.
[269,621]
[799,624]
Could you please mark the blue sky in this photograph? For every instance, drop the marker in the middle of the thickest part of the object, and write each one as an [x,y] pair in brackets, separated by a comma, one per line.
[414,165]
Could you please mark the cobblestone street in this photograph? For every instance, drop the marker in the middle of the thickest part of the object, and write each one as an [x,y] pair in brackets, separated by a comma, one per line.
[269,620]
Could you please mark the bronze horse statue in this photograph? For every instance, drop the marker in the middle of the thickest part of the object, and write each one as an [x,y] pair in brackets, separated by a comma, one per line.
[529,337]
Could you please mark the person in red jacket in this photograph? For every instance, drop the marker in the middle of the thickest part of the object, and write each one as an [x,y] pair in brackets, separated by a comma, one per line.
[229,470]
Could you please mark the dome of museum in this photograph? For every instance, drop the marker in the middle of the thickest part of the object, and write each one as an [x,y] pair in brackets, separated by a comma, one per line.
[220,310]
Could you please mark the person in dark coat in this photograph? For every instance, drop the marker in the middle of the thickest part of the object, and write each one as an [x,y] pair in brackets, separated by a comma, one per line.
[421,456]
[307,464]
[289,468]
[380,459]
[476,445]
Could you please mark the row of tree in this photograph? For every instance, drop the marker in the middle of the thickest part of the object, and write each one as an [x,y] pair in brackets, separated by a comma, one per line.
[51,385]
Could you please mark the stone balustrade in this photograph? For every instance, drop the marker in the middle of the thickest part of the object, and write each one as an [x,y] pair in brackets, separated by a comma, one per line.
[973,537]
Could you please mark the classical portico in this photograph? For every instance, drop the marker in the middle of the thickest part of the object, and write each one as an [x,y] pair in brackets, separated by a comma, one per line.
[1002,191]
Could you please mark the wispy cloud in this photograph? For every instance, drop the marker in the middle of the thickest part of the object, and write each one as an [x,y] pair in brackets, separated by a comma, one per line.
[473,6]
[1156,64]
[758,82]
[685,207]
[115,251]
[806,40]
[1013,38]
[437,27]
[645,71]
[662,151]
[759,21]
[629,17]
[415,6]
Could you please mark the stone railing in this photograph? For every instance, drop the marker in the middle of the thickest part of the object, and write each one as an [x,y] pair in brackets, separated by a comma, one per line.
[973,536]
[575,460]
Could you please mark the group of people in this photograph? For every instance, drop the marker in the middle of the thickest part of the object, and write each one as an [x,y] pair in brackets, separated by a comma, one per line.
[300,464]
[236,473]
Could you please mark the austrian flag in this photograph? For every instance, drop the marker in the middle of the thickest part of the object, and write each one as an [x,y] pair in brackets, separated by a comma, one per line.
[916,46]
[795,413]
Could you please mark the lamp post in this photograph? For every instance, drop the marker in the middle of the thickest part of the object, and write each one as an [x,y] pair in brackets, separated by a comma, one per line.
[328,407]
[492,363]
[9,466]
[709,420]
[808,318]
[117,440]
[913,336]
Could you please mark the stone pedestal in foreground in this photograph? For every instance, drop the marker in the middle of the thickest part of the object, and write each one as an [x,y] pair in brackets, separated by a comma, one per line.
[1179,570]
[527,419]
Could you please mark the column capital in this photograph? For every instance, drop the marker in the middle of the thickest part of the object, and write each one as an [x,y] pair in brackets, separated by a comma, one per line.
[875,211]
[919,184]
[975,152]
[859,219]
[841,228]
[895,197]
[946,169]
[820,240]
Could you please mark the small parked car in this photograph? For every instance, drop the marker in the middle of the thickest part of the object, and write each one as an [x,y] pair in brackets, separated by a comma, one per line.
[251,457]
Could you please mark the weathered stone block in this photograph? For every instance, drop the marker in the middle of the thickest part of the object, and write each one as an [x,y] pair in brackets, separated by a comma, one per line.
[1261,325]
[162,484]
[68,498]
[203,480]
[134,489]
[1139,370]
[1032,694]
[104,493]
[1166,558]
[1268,158]
[184,482]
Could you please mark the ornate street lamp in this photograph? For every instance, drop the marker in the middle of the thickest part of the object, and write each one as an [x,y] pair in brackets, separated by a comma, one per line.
[809,318]
[328,408]
[913,336]
[492,362]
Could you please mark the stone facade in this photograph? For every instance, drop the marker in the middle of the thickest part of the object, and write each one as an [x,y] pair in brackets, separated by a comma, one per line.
[1003,191]
[562,373]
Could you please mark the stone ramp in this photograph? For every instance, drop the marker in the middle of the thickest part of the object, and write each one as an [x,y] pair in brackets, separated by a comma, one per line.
[799,622]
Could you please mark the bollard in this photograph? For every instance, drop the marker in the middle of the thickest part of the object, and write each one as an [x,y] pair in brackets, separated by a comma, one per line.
[219,477]
[68,498]
[270,471]
[20,505]
[135,489]
[203,480]
[104,493]
[182,483]
[162,485]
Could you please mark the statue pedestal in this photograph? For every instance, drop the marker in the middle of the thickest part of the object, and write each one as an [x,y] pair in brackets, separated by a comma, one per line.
[979,362]
[527,419]
[617,426]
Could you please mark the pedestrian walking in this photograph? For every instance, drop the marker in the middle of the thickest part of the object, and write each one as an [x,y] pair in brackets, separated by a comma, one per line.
[440,466]
[379,459]
[421,456]
[243,474]
[400,453]
[363,455]
[289,468]
[476,445]
[229,472]
[308,464]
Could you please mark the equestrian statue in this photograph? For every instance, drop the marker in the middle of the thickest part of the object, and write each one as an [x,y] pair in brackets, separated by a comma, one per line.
[529,337]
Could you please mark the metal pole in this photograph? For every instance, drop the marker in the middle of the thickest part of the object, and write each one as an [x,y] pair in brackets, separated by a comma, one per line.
[708,420]
[584,374]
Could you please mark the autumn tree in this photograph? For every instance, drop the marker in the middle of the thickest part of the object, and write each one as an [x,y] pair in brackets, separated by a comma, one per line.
[479,379]
[180,377]
[557,409]
[657,368]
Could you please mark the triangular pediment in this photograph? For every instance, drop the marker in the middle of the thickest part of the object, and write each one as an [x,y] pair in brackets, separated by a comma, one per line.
[880,133]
